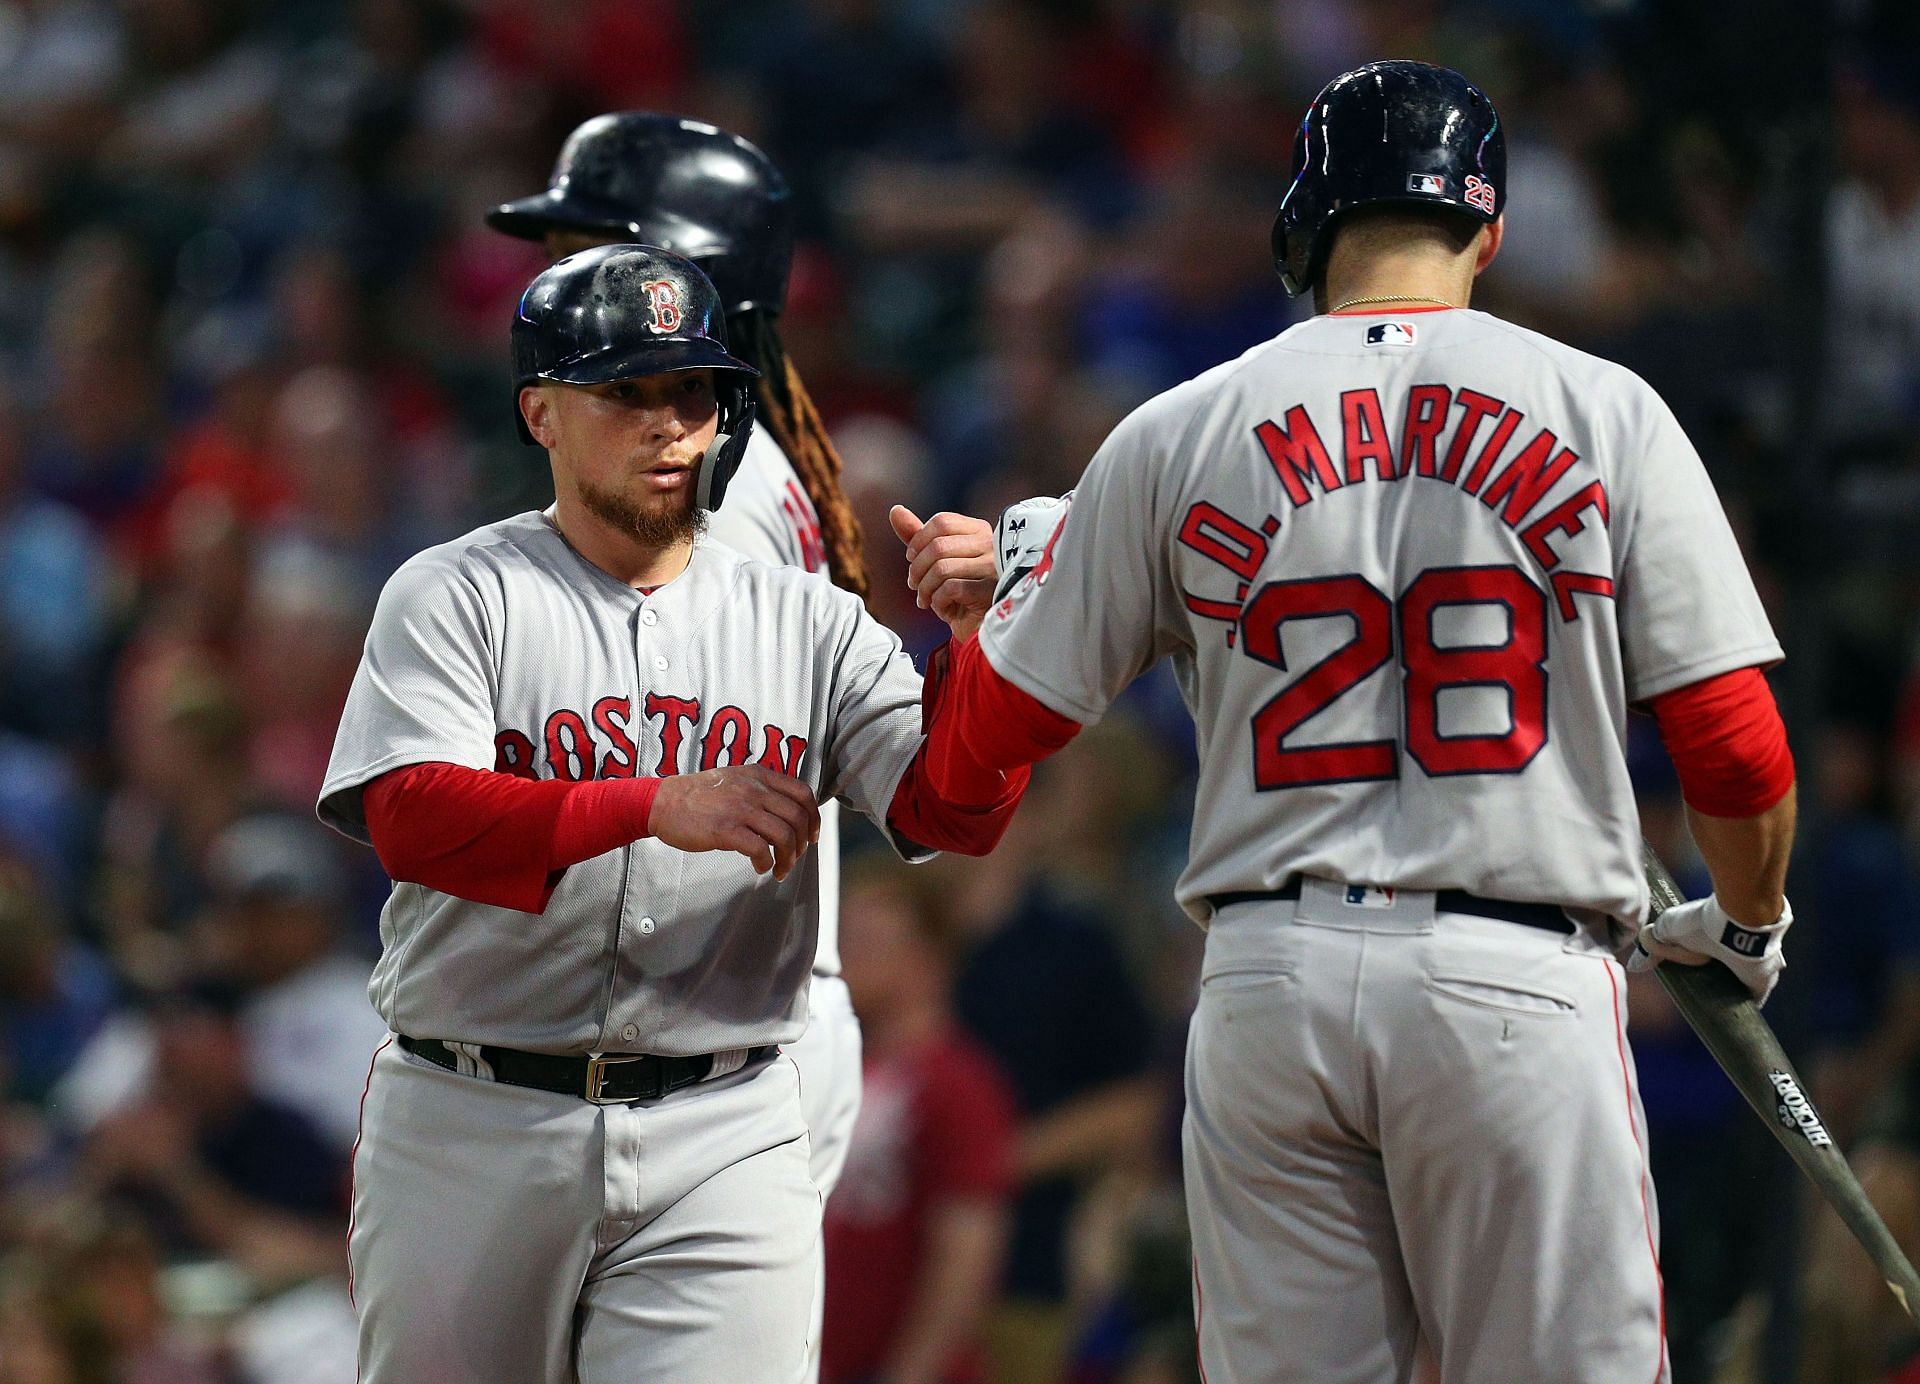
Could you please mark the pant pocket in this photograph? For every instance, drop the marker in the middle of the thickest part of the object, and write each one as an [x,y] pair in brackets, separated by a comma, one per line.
[1504,994]
[1244,978]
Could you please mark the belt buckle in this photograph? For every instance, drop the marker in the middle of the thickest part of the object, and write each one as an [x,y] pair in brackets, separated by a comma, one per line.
[597,1064]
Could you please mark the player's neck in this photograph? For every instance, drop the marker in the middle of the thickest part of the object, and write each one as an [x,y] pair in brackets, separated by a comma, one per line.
[1387,282]
[617,553]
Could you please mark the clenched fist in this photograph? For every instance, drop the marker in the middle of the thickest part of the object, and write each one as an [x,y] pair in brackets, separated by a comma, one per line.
[1701,931]
[950,565]
[769,818]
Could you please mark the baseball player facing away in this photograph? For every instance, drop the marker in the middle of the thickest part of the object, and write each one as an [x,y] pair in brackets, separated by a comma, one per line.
[582,1156]
[1413,565]
[717,199]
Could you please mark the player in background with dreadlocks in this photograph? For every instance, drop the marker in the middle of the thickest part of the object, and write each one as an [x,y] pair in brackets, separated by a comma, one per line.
[716,199]
[712,196]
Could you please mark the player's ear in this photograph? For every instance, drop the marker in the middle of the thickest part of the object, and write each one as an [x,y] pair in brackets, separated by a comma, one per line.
[536,407]
[1490,238]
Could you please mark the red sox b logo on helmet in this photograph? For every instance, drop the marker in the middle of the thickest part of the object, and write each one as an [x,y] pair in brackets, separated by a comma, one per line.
[663,303]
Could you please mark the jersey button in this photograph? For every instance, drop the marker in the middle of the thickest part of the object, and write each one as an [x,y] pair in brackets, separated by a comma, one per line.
[659,663]
[648,617]
[646,927]
[629,1033]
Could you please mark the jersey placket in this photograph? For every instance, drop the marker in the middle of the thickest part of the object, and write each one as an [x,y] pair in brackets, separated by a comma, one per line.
[639,919]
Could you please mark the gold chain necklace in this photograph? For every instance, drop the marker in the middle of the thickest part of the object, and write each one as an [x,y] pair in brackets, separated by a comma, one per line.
[1391,298]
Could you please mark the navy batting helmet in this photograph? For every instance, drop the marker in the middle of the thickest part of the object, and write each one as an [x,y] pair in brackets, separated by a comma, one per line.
[665,180]
[620,312]
[1405,132]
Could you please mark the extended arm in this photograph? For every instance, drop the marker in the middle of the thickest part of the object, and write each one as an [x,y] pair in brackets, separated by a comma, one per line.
[966,1238]
[1736,774]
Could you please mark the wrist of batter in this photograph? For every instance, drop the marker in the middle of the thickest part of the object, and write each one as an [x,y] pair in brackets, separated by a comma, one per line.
[1753,911]
[601,816]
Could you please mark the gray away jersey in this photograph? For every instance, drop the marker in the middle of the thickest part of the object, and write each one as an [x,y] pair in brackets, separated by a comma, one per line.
[768,515]
[507,650]
[1411,569]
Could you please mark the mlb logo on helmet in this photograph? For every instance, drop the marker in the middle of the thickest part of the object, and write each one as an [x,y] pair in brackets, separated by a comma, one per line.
[1390,334]
[1431,184]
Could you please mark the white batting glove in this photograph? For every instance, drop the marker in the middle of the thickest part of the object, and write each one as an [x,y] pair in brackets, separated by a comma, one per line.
[1021,535]
[1692,933]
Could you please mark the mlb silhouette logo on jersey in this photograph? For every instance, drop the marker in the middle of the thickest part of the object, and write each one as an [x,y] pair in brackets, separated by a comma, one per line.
[1360,896]
[1390,334]
[1430,183]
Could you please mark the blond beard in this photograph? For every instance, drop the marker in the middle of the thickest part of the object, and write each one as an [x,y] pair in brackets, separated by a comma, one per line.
[652,528]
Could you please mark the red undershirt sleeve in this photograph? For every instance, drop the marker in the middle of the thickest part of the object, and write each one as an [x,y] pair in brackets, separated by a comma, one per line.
[983,733]
[1727,743]
[495,838]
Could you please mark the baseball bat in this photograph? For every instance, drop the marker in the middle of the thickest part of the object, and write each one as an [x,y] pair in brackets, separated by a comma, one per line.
[1723,1013]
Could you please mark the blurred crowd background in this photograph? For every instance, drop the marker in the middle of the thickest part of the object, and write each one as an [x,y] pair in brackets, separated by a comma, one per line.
[253,354]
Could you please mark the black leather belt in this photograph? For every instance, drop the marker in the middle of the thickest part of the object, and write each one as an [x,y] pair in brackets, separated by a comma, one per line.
[610,1079]
[1540,915]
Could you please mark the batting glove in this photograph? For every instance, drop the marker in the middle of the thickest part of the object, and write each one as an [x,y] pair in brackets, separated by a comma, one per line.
[1703,929]
[1020,538]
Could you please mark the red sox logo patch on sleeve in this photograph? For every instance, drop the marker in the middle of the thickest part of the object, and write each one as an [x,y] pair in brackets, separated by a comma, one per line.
[663,305]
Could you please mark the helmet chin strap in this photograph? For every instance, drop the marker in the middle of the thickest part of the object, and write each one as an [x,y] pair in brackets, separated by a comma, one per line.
[721,460]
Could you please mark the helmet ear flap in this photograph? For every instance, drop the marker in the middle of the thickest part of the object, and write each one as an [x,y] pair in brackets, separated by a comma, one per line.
[729,447]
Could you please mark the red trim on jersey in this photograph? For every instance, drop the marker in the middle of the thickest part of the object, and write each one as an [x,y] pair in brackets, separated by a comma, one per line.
[1633,1126]
[1727,743]
[1393,312]
[353,1159]
[496,838]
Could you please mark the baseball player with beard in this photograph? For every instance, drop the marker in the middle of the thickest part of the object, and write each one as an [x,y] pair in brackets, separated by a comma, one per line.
[1413,565]
[589,745]
[639,176]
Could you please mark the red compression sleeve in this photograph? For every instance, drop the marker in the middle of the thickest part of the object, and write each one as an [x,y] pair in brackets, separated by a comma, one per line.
[1727,744]
[982,733]
[495,838]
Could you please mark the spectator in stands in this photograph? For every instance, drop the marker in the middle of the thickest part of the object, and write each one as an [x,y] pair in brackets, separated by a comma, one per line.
[219,461]
[1044,988]
[54,601]
[210,1165]
[201,89]
[916,1232]
[93,441]
[275,930]
[1199,244]
[1861,993]
[179,730]
[1873,231]
[105,1279]
[300,640]
[347,502]
[55,993]
[33,1348]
